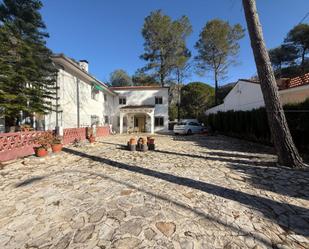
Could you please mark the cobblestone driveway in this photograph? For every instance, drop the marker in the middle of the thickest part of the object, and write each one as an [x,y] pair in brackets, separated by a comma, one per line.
[193,192]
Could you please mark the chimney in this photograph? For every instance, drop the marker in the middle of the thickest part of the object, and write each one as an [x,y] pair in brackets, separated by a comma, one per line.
[84,65]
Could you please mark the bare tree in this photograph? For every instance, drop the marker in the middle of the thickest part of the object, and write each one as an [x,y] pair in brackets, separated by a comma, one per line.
[283,142]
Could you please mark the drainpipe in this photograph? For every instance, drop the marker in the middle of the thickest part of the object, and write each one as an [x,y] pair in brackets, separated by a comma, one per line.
[57,108]
[77,96]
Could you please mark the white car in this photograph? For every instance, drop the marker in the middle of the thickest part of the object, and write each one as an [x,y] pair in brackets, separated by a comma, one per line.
[188,128]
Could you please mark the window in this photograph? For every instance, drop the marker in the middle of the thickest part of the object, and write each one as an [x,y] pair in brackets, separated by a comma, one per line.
[94,93]
[105,97]
[159,121]
[122,101]
[95,120]
[158,100]
[194,124]
[106,120]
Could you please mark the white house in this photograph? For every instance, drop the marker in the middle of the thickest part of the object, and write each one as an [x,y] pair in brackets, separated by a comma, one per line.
[247,94]
[84,101]
[141,108]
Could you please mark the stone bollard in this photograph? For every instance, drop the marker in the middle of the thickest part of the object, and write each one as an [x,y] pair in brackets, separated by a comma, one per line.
[144,147]
[132,147]
[132,144]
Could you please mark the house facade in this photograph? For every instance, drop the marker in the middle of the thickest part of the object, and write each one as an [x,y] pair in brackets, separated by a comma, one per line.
[141,109]
[247,95]
[83,101]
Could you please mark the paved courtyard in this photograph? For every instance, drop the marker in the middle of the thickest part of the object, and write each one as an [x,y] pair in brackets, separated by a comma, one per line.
[192,192]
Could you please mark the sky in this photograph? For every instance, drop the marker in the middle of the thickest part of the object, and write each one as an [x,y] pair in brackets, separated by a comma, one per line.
[107,33]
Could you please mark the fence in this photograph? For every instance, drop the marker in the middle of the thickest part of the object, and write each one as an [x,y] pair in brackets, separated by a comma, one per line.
[20,144]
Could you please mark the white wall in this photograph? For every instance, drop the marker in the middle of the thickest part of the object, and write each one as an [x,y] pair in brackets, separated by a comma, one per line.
[136,97]
[67,82]
[247,96]
[243,97]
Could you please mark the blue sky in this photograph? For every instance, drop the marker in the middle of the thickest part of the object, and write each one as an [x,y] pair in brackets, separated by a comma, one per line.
[108,32]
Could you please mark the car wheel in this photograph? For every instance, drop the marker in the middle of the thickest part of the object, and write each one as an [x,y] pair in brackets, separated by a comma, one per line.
[189,132]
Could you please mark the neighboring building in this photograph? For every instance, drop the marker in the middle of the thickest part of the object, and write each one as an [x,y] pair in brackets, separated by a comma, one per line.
[84,101]
[141,109]
[247,94]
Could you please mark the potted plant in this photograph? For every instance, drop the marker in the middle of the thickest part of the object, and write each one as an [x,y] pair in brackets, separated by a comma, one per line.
[90,135]
[44,142]
[91,139]
[56,144]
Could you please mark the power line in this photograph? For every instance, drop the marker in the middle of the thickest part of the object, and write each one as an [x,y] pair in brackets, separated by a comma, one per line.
[304,18]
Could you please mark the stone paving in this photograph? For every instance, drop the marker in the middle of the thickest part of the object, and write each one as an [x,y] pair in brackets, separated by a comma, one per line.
[192,192]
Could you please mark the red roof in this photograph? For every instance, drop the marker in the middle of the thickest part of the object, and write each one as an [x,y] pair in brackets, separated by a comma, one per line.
[298,81]
[287,83]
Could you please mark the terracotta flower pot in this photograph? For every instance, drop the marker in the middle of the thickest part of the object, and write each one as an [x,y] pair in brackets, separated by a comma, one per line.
[56,147]
[40,152]
[144,141]
[132,141]
[91,139]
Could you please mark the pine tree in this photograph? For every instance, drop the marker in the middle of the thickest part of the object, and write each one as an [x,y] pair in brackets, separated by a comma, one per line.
[27,80]
[287,152]
[165,43]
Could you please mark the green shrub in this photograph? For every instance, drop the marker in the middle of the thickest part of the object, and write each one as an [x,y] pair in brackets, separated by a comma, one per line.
[253,125]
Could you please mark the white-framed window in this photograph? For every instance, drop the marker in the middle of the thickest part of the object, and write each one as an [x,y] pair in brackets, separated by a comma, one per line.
[106,120]
[122,100]
[159,100]
[95,120]
[95,93]
[105,97]
[159,121]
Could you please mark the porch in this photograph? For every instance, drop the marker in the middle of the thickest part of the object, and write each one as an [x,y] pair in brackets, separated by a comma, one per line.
[138,119]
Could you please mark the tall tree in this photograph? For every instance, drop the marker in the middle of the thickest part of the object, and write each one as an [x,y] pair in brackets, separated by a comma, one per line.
[27,80]
[165,41]
[282,56]
[284,145]
[217,48]
[299,38]
[120,78]
[142,79]
[196,97]
[181,71]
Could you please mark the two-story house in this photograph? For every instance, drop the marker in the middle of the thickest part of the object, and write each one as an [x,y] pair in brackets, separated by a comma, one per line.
[82,101]
[141,109]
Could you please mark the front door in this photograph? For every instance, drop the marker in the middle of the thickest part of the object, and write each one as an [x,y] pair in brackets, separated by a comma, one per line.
[140,124]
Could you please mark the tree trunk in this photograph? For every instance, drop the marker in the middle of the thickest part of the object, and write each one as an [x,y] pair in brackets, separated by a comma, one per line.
[283,142]
[179,97]
[216,88]
[303,60]
[162,79]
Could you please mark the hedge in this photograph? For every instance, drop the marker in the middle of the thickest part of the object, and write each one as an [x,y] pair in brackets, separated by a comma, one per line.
[252,125]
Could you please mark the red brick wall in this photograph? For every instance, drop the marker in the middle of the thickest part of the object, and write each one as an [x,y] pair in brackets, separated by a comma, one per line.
[20,144]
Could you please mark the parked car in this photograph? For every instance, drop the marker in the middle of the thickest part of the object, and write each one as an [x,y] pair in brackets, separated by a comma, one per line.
[188,128]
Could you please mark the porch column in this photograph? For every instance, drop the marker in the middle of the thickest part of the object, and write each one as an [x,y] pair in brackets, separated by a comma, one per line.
[152,123]
[121,123]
